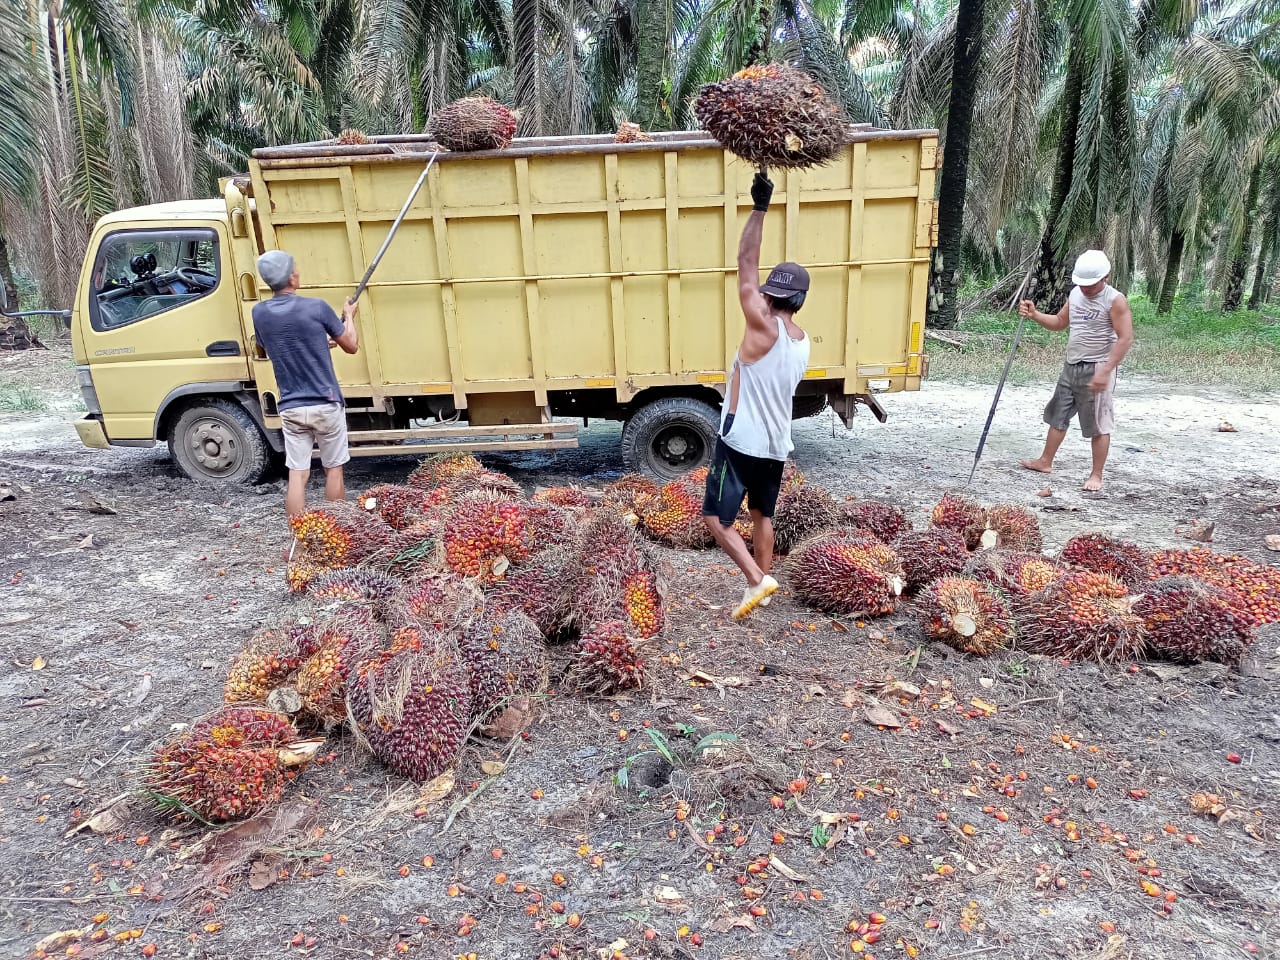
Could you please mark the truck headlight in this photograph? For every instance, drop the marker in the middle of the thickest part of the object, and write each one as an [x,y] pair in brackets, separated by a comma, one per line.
[87,393]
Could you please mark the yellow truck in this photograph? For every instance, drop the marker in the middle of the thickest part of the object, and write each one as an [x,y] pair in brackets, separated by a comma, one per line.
[527,290]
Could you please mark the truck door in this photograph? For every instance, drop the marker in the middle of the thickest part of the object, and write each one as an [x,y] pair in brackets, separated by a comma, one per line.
[163,314]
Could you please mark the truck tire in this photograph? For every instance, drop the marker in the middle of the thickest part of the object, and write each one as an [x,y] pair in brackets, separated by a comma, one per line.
[217,441]
[669,437]
[808,406]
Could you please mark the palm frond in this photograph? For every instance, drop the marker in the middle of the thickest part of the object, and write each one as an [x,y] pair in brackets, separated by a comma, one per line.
[101,29]
[20,101]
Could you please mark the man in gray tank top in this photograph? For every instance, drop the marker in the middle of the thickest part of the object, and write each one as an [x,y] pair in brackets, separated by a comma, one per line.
[1101,333]
[755,426]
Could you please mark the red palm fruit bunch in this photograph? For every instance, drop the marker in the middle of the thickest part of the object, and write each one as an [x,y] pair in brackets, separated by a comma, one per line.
[484,537]
[642,602]
[505,656]
[473,123]
[674,516]
[629,132]
[343,640]
[488,483]
[563,497]
[1125,561]
[300,571]
[225,767]
[846,572]
[803,509]
[698,476]
[954,512]
[440,601]
[410,550]
[611,658]
[792,477]
[350,137]
[1255,587]
[442,468]
[548,525]
[1082,616]
[1190,621]
[353,585]
[267,661]
[1014,571]
[605,555]
[929,554]
[882,520]
[773,116]
[629,495]
[339,534]
[541,590]
[743,524]
[970,616]
[1009,526]
[402,506]
[412,703]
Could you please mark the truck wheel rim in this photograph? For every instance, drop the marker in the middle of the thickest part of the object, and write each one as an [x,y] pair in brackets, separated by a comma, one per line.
[678,446]
[214,446]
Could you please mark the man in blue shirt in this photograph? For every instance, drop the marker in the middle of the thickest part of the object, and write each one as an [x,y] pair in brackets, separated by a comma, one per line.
[297,334]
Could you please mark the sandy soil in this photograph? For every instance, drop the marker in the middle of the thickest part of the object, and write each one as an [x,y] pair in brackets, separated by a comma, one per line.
[134,627]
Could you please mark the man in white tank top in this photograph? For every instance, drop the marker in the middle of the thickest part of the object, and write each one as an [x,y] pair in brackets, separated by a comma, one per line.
[1101,333]
[755,426]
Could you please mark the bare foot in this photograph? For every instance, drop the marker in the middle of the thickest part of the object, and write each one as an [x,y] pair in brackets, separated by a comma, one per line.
[1039,466]
[1093,484]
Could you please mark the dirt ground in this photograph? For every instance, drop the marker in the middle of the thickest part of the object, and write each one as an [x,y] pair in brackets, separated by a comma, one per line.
[133,616]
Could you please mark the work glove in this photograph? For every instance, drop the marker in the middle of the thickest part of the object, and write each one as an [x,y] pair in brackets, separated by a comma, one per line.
[761,191]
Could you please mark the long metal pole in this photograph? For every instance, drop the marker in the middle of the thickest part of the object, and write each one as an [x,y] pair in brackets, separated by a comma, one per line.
[1004,375]
[377,258]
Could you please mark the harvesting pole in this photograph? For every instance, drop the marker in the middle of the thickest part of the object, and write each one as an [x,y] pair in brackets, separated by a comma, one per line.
[1004,375]
[377,257]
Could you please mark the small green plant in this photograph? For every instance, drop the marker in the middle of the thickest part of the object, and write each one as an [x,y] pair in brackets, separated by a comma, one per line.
[1016,667]
[18,398]
[820,836]
[669,752]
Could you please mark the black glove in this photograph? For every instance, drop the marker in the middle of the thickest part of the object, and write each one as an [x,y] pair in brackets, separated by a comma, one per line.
[761,191]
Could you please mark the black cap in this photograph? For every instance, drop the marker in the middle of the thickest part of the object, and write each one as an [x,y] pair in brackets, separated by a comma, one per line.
[786,279]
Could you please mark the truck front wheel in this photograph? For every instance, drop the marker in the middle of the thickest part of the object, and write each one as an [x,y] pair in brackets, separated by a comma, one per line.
[217,441]
[669,437]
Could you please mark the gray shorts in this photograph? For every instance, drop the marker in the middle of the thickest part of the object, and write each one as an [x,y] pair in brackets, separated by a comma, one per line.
[1072,396]
[322,425]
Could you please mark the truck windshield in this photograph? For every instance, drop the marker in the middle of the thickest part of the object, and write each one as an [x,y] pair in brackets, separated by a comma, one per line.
[141,273]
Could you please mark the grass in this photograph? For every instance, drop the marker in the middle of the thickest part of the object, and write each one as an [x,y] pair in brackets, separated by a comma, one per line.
[1190,345]
[19,398]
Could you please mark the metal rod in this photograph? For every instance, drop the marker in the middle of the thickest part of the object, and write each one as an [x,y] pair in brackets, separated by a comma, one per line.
[377,258]
[995,401]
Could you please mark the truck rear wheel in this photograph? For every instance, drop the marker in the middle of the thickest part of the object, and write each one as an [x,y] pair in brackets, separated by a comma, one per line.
[217,441]
[809,405]
[669,437]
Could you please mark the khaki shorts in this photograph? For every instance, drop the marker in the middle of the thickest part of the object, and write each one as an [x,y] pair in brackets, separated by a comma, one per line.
[322,425]
[1072,396]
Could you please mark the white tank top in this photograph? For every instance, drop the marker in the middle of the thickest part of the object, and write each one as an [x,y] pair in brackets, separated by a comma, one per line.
[1092,334]
[761,424]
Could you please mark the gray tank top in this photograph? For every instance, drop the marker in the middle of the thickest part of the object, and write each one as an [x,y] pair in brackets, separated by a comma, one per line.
[1092,334]
[761,425]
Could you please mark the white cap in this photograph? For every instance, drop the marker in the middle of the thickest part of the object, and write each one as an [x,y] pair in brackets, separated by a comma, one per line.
[1091,266]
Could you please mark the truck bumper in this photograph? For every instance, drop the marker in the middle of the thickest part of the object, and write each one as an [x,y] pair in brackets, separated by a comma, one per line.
[91,432]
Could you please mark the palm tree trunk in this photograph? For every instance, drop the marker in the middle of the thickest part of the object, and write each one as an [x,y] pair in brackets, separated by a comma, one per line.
[653,30]
[1259,273]
[1240,262]
[1266,252]
[1049,280]
[955,164]
[1172,267]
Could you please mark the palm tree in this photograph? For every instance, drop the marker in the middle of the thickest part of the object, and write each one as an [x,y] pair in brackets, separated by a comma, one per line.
[20,105]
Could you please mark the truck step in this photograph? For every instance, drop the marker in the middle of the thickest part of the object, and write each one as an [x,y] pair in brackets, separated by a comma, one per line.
[542,436]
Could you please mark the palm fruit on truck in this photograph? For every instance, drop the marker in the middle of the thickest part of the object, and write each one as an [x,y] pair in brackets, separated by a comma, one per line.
[1082,616]
[845,572]
[965,614]
[473,123]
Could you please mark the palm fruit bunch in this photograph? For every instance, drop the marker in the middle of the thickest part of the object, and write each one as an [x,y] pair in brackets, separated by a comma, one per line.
[300,571]
[1013,571]
[803,510]
[548,525]
[773,116]
[402,506]
[1009,526]
[473,123]
[1082,616]
[1191,621]
[442,468]
[489,483]
[351,137]
[843,571]
[1255,587]
[440,601]
[339,534]
[222,768]
[605,555]
[792,477]
[1125,561]
[341,641]
[541,590]
[267,661]
[610,659]
[629,132]
[698,476]
[674,516]
[642,602]
[882,520]
[929,554]
[630,495]
[744,525]
[964,516]
[484,537]
[412,549]
[970,616]
[411,704]
[353,585]
[563,497]
[505,657]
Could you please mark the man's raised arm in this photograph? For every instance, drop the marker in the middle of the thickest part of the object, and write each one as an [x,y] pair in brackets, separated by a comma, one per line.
[754,307]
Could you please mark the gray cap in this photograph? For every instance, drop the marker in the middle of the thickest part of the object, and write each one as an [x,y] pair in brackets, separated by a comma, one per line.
[275,267]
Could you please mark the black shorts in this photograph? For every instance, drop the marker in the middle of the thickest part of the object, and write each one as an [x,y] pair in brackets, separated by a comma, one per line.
[735,475]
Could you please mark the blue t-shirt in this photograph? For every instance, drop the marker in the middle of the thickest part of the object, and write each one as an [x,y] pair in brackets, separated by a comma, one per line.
[295,332]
